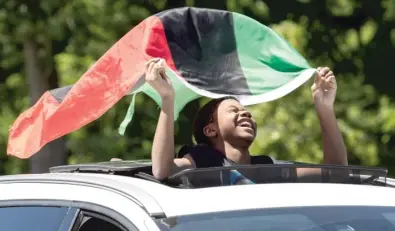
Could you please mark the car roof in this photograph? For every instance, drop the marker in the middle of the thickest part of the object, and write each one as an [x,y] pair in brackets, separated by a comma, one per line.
[161,200]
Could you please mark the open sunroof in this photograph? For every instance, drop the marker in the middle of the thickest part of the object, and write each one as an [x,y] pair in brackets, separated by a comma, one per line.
[279,173]
[239,174]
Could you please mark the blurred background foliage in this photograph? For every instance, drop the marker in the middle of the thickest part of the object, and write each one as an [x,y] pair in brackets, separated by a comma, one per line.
[45,44]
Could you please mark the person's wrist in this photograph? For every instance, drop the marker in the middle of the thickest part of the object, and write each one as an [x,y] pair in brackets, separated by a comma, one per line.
[324,108]
[168,103]
[168,96]
[168,99]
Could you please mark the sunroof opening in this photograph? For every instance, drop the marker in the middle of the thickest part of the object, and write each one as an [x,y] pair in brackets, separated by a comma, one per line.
[277,173]
[239,174]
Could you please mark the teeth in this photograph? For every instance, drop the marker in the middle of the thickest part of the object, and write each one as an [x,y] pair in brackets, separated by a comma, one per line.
[245,125]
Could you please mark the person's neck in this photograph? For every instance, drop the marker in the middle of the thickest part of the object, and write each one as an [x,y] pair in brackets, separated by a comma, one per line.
[237,155]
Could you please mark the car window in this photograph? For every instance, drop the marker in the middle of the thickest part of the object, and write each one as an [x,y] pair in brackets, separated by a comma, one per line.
[88,221]
[336,218]
[32,218]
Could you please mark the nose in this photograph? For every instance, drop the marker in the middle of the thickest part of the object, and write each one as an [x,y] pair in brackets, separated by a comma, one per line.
[245,113]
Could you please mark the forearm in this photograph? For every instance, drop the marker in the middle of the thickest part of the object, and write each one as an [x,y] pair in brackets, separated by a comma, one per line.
[333,145]
[163,145]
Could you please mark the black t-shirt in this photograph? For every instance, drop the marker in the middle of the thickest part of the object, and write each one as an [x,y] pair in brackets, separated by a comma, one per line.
[205,157]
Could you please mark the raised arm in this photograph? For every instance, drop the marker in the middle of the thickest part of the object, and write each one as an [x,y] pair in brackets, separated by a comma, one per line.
[324,94]
[162,153]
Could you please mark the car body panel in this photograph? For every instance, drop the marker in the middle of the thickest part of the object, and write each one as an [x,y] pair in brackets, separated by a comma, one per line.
[244,197]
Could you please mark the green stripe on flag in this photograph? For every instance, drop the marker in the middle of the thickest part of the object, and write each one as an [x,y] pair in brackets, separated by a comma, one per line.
[268,61]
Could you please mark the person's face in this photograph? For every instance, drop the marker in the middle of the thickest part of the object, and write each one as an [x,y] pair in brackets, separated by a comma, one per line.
[234,122]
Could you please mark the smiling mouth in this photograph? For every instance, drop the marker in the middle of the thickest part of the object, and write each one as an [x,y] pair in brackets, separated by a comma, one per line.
[245,124]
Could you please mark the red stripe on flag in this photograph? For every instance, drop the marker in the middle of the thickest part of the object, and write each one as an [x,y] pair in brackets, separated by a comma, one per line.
[102,86]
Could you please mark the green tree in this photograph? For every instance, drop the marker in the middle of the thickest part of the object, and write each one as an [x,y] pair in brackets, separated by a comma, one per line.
[31,32]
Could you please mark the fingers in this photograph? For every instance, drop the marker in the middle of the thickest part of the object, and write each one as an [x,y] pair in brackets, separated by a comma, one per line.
[324,80]
[154,60]
[330,77]
[330,82]
[151,66]
[325,73]
[149,74]
[155,76]
[318,80]
[162,72]
[155,70]
[158,68]
[322,71]
[157,61]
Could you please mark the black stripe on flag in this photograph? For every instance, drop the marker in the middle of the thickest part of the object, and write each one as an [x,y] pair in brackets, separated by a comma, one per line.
[60,93]
[203,46]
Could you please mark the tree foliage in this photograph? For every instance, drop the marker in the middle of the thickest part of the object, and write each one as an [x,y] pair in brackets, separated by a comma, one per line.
[355,38]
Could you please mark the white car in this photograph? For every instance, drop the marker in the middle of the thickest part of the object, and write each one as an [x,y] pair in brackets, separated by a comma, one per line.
[122,195]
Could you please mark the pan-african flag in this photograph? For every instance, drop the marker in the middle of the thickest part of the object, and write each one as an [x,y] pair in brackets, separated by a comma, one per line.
[209,53]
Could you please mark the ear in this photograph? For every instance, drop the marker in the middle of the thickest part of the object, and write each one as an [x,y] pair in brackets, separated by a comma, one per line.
[210,130]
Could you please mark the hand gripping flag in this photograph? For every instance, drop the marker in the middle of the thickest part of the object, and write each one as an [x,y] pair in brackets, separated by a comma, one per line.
[208,53]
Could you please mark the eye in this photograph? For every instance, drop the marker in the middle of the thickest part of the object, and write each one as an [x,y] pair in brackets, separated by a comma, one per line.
[233,110]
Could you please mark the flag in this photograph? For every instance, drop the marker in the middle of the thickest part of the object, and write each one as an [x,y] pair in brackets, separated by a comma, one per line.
[208,52]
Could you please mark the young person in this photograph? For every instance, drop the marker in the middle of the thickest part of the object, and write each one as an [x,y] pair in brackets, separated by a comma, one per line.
[224,129]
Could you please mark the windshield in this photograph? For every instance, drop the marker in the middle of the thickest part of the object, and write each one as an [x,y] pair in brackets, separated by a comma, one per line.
[336,218]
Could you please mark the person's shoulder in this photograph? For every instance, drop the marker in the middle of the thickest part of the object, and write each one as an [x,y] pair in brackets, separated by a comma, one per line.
[203,155]
[193,149]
